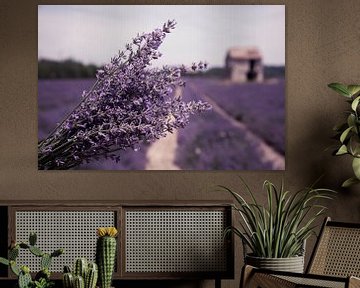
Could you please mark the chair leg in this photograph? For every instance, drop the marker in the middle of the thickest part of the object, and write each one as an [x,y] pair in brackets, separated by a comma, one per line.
[246,273]
[217,283]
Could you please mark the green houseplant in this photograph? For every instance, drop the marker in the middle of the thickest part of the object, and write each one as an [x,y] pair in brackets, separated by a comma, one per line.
[275,233]
[42,278]
[84,274]
[348,133]
[106,254]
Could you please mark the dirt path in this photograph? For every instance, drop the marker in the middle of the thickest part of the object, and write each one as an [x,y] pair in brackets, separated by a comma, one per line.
[267,153]
[161,154]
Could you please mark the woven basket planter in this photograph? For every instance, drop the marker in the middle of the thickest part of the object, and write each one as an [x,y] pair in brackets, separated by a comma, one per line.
[291,264]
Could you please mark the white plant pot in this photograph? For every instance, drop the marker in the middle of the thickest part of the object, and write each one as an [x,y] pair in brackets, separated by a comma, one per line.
[291,264]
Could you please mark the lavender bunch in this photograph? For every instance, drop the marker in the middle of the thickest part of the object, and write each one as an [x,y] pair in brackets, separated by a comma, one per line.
[130,103]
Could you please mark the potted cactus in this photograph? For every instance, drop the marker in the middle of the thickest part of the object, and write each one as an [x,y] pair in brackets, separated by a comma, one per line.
[106,254]
[42,278]
[84,275]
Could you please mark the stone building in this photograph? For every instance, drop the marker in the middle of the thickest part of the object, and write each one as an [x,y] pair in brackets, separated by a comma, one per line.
[244,64]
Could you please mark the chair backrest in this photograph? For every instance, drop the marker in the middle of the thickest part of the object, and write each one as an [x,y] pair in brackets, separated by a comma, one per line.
[337,251]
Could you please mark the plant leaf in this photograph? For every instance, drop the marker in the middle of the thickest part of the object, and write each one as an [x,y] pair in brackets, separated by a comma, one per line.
[4,261]
[342,150]
[340,89]
[356,167]
[349,182]
[14,268]
[355,103]
[340,127]
[354,144]
[353,89]
[351,120]
[279,228]
[345,134]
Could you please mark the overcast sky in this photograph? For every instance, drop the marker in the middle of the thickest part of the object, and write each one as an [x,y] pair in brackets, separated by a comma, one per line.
[94,33]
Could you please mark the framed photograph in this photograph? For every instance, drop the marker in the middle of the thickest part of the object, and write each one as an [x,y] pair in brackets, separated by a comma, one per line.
[161,87]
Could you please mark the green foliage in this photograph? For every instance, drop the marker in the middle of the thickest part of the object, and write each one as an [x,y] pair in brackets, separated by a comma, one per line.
[270,72]
[80,268]
[14,268]
[36,251]
[4,261]
[57,252]
[32,239]
[91,276]
[85,275]
[68,280]
[13,253]
[44,273]
[79,282]
[45,261]
[348,133]
[49,69]
[42,283]
[24,279]
[42,278]
[279,229]
[105,259]
[274,72]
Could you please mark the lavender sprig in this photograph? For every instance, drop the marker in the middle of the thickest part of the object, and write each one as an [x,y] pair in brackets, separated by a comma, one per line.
[130,103]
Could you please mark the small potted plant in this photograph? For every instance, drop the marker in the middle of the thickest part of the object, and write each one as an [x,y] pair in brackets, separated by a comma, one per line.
[348,132]
[106,254]
[42,278]
[275,233]
[84,274]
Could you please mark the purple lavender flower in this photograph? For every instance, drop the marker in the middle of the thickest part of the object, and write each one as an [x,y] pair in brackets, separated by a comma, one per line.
[130,103]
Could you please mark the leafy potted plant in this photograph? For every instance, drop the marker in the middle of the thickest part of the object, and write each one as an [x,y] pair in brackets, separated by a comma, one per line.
[276,233]
[348,132]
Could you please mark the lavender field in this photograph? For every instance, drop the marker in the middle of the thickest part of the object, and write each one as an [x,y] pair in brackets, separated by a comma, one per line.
[245,130]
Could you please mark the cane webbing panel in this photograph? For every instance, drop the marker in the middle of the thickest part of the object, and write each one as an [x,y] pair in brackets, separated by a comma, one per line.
[267,280]
[175,241]
[312,282]
[338,252]
[75,231]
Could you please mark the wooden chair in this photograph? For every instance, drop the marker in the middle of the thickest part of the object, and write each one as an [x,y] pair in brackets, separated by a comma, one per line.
[335,262]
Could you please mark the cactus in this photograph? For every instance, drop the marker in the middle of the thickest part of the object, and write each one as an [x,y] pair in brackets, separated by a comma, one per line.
[4,261]
[24,277]
[45,261]
[14,268]
[36,251]
[13,253]
[79,282]
[89,272]
[24,245]
[80,267]
[57,252]
[44,273]
[67,269]
[91,276]
[105,254]
[32,238]
[68,280]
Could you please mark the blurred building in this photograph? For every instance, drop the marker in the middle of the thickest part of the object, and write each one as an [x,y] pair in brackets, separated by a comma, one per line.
[244,64]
